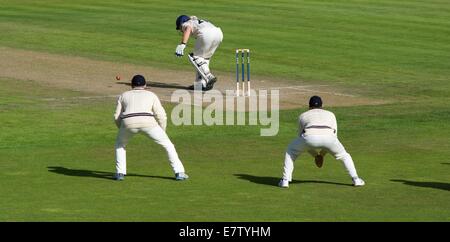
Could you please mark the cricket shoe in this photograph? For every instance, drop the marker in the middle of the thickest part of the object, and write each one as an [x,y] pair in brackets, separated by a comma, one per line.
[319,160]
[283,183]
[181,176]
[119,177]
[358,182]
[192,87]
[210,83]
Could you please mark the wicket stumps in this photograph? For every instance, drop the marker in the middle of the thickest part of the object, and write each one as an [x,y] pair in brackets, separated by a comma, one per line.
[243,53]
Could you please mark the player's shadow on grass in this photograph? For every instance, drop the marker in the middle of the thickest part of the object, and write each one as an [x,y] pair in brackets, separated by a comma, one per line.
[436,185]
[159,85]
[96,174]
[273,181]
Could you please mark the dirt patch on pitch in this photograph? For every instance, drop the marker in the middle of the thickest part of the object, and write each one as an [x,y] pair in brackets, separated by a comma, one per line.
[97,78]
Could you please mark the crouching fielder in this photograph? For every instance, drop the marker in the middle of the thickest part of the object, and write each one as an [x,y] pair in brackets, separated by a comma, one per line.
[139,110]
[318,136]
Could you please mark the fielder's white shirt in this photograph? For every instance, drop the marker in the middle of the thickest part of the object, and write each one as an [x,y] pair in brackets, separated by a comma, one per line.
[320,119]
[138,101]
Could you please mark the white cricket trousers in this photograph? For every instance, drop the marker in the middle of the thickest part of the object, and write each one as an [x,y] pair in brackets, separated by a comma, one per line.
[312,143]
[207,42]
[155,133]
[205,46]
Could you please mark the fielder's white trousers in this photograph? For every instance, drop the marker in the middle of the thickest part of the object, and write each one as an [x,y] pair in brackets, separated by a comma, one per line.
[155,133]
[312,143]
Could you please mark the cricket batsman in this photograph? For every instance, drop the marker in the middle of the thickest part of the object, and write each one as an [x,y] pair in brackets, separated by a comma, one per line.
[208,38]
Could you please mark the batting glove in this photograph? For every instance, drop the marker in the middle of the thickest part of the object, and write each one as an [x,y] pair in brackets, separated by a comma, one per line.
[180,50]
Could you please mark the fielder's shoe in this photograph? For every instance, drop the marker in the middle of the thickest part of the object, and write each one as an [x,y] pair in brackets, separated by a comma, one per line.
[358,182]
[181,176]
[119,177]
[283,183]
[319,160]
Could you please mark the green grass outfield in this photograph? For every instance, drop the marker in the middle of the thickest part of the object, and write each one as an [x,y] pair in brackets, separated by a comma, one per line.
[57,157]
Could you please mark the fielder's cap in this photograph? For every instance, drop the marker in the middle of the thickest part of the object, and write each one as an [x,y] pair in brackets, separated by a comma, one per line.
[138,81]
[315,102]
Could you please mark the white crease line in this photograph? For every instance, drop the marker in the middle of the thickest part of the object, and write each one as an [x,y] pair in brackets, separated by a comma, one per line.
[295,87]
[94,97]
[305,90]
[334,93]
[76,98]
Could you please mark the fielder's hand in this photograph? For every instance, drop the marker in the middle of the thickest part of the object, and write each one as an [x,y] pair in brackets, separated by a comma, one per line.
[179,51]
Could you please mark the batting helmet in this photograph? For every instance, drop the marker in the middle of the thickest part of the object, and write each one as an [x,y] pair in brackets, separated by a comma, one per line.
[138,81]
[180,20]
[315,102]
